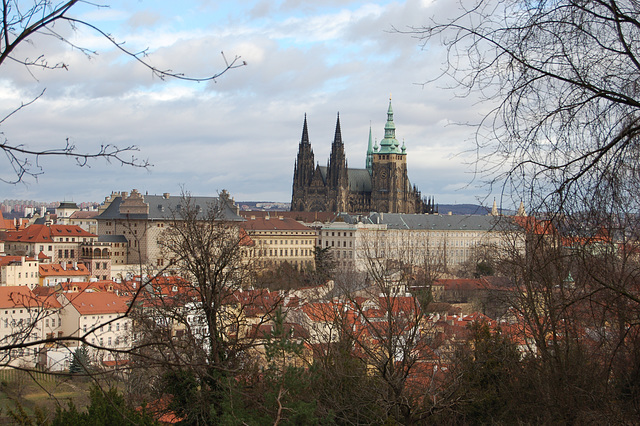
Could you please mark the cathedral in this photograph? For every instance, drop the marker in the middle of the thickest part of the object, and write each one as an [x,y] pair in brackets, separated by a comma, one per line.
[383,186]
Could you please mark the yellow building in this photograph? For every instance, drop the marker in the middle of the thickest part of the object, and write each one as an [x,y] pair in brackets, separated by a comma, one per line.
[279,239]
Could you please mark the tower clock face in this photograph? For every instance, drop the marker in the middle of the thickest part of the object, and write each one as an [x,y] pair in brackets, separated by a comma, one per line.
[383,174]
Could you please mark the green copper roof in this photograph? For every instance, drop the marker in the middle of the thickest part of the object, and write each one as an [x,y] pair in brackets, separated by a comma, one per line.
[390,145]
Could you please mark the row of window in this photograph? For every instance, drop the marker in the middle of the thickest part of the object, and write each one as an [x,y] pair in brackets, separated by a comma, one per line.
[109,327]
[125,341]
[340,234]
[291,242]
[68,254]
[344,244]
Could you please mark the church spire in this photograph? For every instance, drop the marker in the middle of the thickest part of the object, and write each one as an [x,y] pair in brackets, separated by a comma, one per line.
[337,167]
[305,132]
[494,209]
[303,168]
[369,162]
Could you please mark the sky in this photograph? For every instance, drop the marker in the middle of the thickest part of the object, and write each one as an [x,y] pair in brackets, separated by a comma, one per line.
[240,132]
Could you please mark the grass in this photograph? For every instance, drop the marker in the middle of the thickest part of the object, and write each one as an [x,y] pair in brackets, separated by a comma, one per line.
[31,390]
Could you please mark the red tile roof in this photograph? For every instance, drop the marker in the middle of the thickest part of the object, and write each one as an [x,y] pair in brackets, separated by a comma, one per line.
[57,270]
[44,233]
[22,297]
[274,224]
[92,303]
[7,260]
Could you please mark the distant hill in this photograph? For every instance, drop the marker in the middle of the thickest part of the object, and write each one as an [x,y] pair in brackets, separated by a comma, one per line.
[442,208]
[463,209]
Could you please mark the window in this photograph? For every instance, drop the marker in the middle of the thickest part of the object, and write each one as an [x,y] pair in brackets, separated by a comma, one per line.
[50,248]
[72,253]
[60,253]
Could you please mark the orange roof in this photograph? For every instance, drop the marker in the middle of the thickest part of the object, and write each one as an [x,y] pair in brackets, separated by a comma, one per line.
[44,233]
[5,224]
[306,217]
[92,303]
[22,297]
[535,226]
[7,260]
[274,224]
[54,269]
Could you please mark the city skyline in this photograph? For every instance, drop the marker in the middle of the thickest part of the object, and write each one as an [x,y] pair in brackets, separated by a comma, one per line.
[241,132]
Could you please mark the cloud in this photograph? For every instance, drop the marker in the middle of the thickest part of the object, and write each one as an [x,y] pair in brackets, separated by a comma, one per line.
[242,131]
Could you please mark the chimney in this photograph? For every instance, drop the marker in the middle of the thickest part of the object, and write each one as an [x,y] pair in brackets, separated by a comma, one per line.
[64,266]
[166,195]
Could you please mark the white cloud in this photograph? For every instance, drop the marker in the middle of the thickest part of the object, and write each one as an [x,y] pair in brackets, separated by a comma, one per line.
[241,133]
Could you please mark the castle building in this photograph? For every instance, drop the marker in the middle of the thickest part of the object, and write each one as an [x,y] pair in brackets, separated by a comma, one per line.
[382,186]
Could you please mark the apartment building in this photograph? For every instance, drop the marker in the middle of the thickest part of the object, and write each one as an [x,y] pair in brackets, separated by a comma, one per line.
[26,318]
[279,239]
[412,238]
[58,273]
[19,271]
[58,243]
[99,317]
[340,239]
[138,222]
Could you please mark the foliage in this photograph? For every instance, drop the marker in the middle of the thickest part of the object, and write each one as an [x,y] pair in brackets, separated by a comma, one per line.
[80,361]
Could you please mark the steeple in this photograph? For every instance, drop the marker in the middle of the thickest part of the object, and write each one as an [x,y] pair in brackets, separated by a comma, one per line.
[521,212]
[303,169]
[494,209]
[305,132]
[337,167]
[390,145]
[369,161]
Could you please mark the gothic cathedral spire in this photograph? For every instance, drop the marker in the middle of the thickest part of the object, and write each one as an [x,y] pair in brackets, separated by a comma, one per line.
[369,163]
[337,168]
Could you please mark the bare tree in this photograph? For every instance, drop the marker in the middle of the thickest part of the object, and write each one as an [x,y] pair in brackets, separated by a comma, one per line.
[560,78]
[198,334]
[25,21]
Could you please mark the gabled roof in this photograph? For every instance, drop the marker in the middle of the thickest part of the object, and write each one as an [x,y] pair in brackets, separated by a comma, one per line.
[57,270]
[167,208]
[359,179]
[306,217]
[5,224]
[8,260]
[274,224]
[92,303]
[22,297]
[45,234]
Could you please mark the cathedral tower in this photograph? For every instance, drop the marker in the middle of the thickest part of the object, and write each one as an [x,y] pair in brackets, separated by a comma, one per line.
[337,172]
[303,170]
[390,184]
